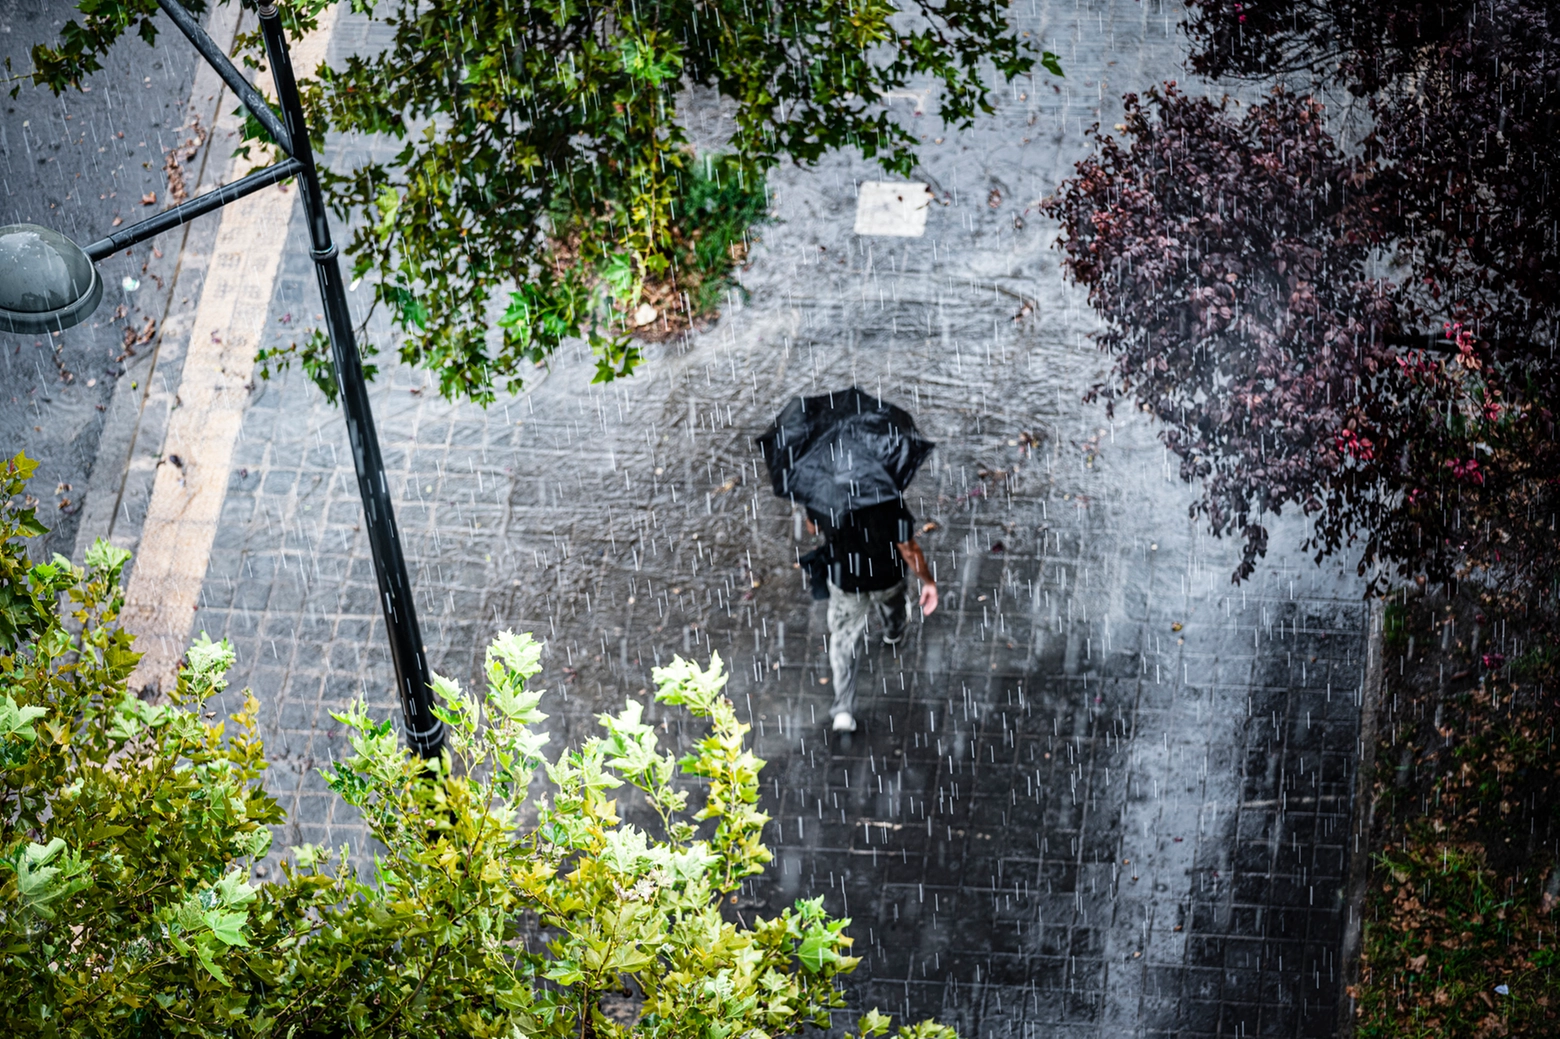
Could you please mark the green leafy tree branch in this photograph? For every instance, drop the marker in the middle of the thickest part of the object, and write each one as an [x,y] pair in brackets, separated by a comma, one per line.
[544,168]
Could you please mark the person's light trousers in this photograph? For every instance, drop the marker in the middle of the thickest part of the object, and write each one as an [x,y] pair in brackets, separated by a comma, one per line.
[849,617]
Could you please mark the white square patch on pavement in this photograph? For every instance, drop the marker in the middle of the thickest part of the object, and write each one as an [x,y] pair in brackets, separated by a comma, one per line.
[896,209]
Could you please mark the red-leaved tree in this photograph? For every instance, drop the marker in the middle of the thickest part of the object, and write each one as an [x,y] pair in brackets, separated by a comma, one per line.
[1363,333]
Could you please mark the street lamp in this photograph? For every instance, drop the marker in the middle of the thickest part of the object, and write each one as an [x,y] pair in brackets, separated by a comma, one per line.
[49,283]
[46,281]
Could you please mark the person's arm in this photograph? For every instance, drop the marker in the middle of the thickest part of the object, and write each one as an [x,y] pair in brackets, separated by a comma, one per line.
[916,560]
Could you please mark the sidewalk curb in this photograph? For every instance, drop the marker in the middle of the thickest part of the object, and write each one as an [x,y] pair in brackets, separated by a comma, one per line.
[1364,818]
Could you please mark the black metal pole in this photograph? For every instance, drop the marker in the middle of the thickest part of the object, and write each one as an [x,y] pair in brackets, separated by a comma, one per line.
[184,212]
[424,732]
[220,64]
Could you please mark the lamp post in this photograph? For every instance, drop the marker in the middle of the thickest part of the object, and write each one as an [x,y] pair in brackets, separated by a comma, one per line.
[49,283]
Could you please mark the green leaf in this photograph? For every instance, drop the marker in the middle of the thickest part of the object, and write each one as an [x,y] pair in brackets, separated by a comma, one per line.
[817,951]
[388,204]
[643,60]
[521,654]
[18,721]
[206,664]
[409,310]
[259,842]
[106,557]
[308,855]
[874,1023]
[1051,63]
[234,890]
[626,851]
[228,926]
[203,952]
[621,279]
[132,716]
[40,883]
[21,468]
[27,524]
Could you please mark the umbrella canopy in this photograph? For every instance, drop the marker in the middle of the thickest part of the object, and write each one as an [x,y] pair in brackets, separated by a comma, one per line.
[842,451]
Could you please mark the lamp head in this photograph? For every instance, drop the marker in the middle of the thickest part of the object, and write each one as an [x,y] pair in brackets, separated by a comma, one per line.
[47,283]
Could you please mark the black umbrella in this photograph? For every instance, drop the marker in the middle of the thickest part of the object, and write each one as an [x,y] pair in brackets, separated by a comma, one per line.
[842,451]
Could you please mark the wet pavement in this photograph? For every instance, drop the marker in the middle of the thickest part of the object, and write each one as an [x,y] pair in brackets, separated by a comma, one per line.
[78,163]
[1101,791]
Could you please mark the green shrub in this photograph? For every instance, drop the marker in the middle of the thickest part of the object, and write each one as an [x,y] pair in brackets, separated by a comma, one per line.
[129,831]
[724,203]
[125,828]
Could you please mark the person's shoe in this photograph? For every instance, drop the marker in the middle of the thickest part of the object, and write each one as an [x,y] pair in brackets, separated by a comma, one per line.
[893,640]
[844,722]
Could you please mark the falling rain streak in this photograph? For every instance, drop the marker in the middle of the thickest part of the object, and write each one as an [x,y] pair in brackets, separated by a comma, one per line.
[1095,758]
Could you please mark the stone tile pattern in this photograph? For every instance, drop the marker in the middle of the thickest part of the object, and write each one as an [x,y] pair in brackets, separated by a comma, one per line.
[1061,816]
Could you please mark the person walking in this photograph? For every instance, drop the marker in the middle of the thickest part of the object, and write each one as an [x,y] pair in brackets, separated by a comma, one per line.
[847,457]
[868,552]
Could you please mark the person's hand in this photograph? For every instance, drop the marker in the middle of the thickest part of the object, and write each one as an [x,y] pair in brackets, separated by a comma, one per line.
[928,599]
